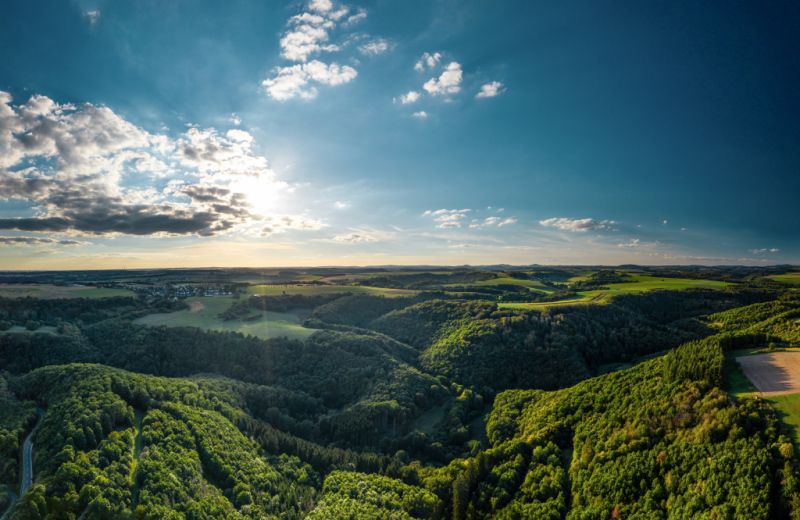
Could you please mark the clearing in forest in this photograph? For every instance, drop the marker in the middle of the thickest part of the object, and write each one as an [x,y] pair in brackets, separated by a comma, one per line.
[204,313]
[773,373]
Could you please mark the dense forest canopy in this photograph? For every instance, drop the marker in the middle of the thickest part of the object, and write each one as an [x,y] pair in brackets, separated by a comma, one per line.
[472,393]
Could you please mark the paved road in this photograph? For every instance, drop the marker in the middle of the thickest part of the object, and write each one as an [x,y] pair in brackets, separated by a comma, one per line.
[27,465]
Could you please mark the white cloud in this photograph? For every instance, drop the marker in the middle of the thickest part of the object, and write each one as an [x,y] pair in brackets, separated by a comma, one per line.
[320,6]
[308,36]
[490,90]
[632,243]
[341,205]
[81,169]
[447,218]
[492,221]
[306,39]
[412,96]
[353,19]
[374,47]
[296,81]
[420,114]
[355,238]
[448,82]
[235,119]
[428,61]
[765,250]
[93,16]
[577,224]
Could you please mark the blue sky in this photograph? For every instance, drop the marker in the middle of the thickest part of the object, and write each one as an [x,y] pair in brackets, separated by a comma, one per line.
[138,134]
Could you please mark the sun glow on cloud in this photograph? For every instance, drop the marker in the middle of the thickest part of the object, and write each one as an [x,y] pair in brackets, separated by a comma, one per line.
[85,170]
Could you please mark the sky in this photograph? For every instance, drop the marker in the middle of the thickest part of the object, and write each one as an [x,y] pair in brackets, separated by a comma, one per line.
[263,133]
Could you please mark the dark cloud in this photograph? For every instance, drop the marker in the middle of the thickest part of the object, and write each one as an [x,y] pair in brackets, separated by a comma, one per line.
[32,241]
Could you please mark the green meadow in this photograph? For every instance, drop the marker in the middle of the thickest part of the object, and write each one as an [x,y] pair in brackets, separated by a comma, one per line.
[639,284]
[311,290]
[790,278]
[533,285]
[204,313]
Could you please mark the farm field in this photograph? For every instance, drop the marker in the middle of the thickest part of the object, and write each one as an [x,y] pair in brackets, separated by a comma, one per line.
[773,373]
[204,314]
[790,278]
[52,292]
[638,284]
[273,290]
[768,370]
[533,285]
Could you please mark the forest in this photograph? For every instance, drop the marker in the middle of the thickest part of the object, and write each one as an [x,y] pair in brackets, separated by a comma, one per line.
[438,402]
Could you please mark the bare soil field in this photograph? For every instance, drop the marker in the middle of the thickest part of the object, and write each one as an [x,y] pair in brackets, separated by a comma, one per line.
[774,373]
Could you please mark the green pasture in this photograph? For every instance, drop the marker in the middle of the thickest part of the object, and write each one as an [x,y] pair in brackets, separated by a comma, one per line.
[638,284]
[204,314]
[789,278]
[311,290]
[533,285]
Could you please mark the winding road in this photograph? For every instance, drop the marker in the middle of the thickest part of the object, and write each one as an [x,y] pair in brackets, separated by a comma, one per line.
[27,465]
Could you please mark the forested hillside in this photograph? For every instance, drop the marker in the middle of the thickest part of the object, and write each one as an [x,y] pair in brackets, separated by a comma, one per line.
[415,406]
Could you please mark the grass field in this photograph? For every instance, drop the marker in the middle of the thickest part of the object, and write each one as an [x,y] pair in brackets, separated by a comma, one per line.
[51,292]
[533,285]
[204,314]
[273,290]
[790,278]
[638,284]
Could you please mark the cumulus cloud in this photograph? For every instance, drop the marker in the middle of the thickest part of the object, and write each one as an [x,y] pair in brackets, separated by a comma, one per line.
[447,218]
[409,97]
[490,90]
[37,241]
[764,250]
[492,221]
[428,61]
[298,80]
[86,170]
[448,82]
[420,114]
[374,47]
[577,224]
[308,37]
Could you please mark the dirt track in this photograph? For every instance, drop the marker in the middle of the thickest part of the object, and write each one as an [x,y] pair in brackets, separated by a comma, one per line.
[775,373]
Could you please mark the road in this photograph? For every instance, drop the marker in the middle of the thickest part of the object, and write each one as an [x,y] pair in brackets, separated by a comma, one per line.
[27,465]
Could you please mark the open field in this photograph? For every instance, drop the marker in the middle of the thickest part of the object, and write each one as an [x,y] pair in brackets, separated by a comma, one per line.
[638,284]
[533,285]
[790,278]
[51,292]
[204,313]
[773,373]
[273,290]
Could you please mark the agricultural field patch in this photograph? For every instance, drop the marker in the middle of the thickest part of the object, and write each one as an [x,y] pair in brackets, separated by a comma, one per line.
[788,278]
[637,284]
[773,373]
[311,290]
[52,292]
[204,313]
